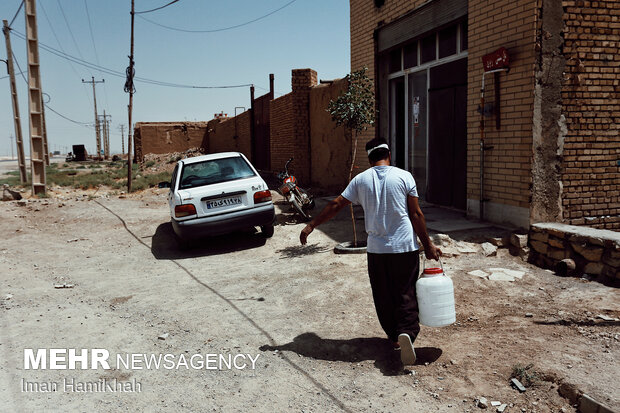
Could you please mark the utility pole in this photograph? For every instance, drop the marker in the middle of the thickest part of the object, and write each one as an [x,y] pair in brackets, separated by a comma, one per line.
[106,135]
[35,102]
[129,88]
[45,147]
[21,158]
[97,134]
[122,128]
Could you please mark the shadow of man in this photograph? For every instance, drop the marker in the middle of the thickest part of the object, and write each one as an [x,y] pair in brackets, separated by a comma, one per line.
[354,350]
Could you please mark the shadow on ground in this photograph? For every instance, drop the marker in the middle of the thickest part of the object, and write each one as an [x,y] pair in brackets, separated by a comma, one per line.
[386,359]
[165,245]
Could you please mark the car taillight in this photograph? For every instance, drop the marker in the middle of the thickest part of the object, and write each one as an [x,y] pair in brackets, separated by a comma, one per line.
[184,210]
[262,196]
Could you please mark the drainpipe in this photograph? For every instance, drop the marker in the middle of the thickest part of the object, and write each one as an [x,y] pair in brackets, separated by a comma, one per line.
[482,145]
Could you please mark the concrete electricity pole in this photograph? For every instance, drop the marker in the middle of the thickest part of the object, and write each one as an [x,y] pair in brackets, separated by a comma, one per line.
[35,101]
[97,134]
[122,128]
[106,134]
[21,158]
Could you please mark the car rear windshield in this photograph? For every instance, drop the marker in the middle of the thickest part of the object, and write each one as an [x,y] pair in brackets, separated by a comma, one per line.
[214,171]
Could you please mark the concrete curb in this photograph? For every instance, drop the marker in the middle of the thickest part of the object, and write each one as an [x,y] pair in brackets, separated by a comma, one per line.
[588,405]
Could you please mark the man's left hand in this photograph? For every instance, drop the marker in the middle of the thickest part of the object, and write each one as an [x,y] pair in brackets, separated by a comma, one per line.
[432,252]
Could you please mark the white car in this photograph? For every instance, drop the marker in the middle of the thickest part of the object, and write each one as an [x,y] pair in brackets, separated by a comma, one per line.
[216,194]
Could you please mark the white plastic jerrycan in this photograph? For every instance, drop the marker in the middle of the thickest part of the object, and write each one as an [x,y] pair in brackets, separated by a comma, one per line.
[435,293]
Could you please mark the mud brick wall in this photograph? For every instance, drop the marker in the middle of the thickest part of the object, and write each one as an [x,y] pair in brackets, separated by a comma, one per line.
[330,145]
[230,135]
[591,105]
[166,137]
[595,251]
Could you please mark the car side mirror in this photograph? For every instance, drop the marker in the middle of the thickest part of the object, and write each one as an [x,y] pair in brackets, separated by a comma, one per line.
[163,184]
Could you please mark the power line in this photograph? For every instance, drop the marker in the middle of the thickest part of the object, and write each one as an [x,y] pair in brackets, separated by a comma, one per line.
[92,38]
[218,30]
[158,8]
[122,74]
[46,105]
[69,28]
[17,12]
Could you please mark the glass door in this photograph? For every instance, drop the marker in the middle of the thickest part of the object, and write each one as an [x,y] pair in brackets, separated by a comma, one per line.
[418,128]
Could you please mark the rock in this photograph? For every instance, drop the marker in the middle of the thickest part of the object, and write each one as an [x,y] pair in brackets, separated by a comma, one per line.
[539,246]
[8,296]
[601,316]
[479,273]
[483,403]
[539,236]
[464,248]
[497,241]
[588,252]
[64,285]
[495,403]
[518,240]
[163,336]
[441,239]
[511,273]
[516,383]
[22,203]
[594,268]
[488,249]
[500,276]
[557,243]
[501,408]
[529,315]
[557,254]
[8,195]
[614,262]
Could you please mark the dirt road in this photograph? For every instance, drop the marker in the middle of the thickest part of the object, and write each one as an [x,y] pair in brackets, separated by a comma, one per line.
[304,311]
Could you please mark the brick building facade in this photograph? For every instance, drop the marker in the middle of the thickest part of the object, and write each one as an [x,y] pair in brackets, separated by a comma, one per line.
[551,135]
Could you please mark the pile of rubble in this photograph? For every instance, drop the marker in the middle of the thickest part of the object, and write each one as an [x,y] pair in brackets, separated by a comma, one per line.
[165,162]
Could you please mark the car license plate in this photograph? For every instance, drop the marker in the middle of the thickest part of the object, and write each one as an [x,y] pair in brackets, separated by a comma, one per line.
[218,203]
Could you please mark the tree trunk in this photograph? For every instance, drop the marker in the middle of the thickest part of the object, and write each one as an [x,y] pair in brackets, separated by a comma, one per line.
[350,176]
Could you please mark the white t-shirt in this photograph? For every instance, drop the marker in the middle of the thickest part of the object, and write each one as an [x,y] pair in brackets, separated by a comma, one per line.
[382,191]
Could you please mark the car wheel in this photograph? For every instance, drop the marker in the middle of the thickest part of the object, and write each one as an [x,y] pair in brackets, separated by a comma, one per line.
[267,230]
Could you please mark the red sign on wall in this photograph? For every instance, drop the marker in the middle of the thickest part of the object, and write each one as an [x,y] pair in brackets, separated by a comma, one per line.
[496,60]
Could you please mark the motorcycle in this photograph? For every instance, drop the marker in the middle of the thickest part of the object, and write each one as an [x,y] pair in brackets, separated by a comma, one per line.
[296,196]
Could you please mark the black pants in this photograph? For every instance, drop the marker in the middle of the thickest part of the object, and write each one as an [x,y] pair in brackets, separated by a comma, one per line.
[393,278]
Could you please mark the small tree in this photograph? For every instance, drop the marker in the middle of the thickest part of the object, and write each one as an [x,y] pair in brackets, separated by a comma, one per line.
[354,109]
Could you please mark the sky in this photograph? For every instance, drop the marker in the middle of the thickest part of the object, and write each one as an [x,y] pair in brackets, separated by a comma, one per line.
[242,42]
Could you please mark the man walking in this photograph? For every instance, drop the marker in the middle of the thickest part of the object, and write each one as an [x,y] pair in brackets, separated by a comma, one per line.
[393,217]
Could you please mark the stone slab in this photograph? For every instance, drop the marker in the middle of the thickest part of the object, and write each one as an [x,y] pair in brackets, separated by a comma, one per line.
[604,234]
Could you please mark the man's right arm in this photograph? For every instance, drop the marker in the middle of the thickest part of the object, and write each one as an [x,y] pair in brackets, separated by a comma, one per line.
[326,214]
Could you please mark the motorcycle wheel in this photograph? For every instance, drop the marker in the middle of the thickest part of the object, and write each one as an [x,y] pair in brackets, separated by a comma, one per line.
[297,205]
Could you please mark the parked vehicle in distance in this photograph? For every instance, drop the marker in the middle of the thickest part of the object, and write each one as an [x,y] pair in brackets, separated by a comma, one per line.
[216,194]
[298,197]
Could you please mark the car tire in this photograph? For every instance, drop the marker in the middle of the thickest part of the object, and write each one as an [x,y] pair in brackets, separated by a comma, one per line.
[267,230]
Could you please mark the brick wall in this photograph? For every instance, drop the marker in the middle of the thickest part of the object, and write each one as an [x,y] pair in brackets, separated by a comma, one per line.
[230,134]
[507,167]
[364,18]
[282,129]
[590,173]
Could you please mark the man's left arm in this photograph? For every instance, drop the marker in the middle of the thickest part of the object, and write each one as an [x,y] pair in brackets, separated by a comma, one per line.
[419,225]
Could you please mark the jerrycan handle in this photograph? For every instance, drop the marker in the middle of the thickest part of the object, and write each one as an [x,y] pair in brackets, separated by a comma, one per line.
[424,260]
